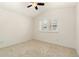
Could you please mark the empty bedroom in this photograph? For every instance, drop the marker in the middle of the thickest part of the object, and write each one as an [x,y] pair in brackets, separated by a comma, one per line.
[39,29]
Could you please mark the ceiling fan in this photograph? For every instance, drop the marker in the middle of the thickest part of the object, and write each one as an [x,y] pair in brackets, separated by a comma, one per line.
[35,5]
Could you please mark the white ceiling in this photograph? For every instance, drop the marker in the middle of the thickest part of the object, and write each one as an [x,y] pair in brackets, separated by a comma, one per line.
[21,7]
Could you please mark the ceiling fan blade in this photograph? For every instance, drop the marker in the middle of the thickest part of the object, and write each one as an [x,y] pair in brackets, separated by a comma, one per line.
[36,8]
[42,4]
[29,6]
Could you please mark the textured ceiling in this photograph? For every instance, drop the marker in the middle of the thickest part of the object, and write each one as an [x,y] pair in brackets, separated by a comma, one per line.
[21,7]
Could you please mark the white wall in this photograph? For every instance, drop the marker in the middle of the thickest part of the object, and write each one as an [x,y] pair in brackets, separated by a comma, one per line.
[66,19]
[14,28]
[77,29]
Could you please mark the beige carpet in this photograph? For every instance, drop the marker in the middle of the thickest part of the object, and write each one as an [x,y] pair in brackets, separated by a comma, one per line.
[36,48]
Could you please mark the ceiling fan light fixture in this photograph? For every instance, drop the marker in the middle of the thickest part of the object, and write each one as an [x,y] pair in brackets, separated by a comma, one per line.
[34,4]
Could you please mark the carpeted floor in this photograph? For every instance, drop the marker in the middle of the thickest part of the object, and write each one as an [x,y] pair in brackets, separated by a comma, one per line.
[35,48]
